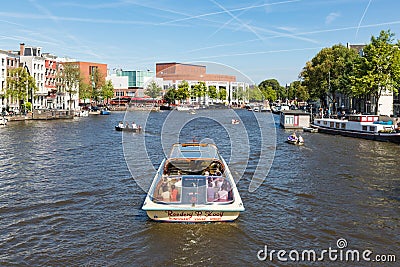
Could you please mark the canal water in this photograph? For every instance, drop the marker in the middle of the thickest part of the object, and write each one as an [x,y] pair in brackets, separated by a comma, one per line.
[71,193]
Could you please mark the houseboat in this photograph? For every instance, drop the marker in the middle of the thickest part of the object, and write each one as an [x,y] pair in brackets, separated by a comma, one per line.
[294,119]
[360,126]
[193,184]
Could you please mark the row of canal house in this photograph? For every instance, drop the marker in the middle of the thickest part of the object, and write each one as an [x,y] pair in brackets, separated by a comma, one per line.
[43,67]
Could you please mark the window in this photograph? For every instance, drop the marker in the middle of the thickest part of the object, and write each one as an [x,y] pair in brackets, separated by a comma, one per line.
[343,125]
[372,128]
[331,124]
[338,125]
[364,128]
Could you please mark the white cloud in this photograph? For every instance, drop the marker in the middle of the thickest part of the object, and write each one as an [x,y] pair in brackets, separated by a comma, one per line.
[331,17]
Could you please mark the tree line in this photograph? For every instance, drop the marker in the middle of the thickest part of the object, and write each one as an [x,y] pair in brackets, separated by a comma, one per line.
[338,70]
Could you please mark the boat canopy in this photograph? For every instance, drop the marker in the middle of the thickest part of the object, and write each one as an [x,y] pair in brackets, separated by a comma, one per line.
[194,150]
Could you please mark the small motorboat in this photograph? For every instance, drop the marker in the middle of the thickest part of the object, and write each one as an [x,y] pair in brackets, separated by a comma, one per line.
[193,184]
[295,140]
[234,121]
[126,128]
[105,111]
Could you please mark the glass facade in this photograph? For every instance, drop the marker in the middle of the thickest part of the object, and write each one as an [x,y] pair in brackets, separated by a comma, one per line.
[136,78]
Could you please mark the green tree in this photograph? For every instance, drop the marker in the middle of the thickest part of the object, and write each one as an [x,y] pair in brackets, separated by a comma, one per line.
[169,96]
[97,82]
[85,90]
[69,77]
[107,90]
[222,94]
[153,90]
[19,84]
[329,72]
[272,84]
[183,91]
[379,68]
[297,90]
[212,92]
[254,94]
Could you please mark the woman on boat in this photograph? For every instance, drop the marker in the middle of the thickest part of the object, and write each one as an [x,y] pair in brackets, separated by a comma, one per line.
[174,193]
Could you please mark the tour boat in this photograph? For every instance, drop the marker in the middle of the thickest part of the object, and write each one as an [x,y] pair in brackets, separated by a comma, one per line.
[360,126]
[193,184]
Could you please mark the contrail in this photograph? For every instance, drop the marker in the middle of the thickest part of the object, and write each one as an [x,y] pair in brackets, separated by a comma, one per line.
[238,20]
[231,10]
[362,17]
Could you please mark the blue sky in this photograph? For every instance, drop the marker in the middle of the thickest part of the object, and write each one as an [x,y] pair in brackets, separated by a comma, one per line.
[261,39]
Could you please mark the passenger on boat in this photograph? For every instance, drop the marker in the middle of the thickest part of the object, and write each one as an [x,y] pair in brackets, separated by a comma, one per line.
[165,194]
[174,193]
[121,124]
[223,194]
[300,139]
[134,126]
[127,125]
[210,192]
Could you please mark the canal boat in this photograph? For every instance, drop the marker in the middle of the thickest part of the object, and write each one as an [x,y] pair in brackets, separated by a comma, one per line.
[360,126]
[193,184]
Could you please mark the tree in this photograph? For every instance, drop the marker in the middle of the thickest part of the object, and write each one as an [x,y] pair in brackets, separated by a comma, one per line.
[153,90]
[222,94]
[254,94]
[107,90]
[212,92]
[19,83]
[69,77]
[329,72]
[97,82]
[85,90]
[183,91]
[378,69]
[298,91]
[272,84]
[169,96]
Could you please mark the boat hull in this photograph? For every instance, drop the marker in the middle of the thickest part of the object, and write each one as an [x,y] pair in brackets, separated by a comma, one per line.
[125,129]
[382,137]
[192,215]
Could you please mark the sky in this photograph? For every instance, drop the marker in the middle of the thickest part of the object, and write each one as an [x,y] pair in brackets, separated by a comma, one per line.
[260,39]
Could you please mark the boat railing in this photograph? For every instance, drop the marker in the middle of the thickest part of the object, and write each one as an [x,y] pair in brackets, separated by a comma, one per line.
[193,190]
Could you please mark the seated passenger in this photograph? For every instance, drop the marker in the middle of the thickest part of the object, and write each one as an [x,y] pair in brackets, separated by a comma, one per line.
[223,194]
[165,194]
[174,193]
[211,193]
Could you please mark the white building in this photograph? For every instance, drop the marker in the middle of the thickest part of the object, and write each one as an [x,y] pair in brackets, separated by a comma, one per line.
[385,103]
[3,79]
[31,58]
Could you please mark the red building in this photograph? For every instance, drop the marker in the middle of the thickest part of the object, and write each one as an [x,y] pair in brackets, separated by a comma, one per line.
[178,71]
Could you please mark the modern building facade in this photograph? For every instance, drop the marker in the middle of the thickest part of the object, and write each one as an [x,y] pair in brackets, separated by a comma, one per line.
[174,73]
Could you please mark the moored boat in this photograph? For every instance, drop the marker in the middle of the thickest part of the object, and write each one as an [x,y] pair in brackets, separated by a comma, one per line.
[193,184]
[360,126]
[105,111]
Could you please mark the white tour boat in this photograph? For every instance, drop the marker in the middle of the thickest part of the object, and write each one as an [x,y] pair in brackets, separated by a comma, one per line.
[193,184]
[360,126]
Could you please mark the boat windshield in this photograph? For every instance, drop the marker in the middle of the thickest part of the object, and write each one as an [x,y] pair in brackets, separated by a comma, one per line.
[194,150]
[193,190]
